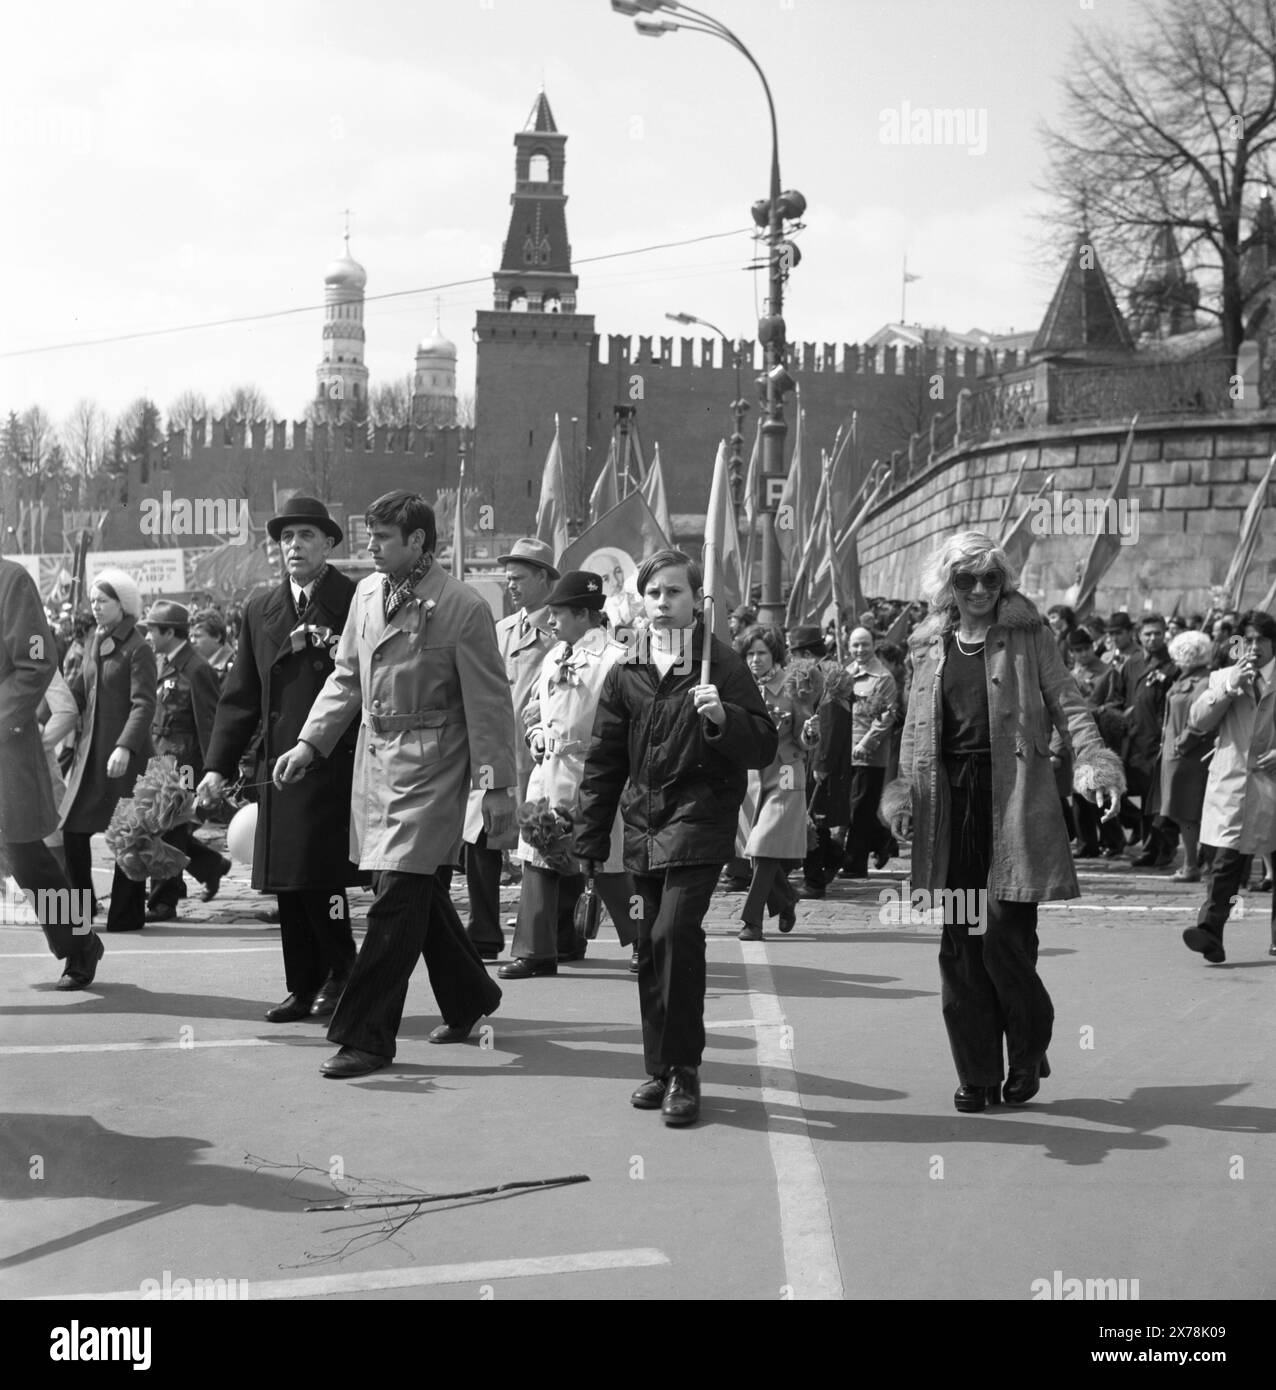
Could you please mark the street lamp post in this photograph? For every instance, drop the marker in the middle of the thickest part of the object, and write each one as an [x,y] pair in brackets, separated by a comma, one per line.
[739,408]
[771,213]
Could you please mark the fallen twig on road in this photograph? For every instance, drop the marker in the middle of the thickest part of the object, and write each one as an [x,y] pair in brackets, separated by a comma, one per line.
[364,1204]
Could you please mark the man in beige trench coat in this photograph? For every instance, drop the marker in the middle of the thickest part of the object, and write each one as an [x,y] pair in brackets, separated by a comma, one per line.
[418,656]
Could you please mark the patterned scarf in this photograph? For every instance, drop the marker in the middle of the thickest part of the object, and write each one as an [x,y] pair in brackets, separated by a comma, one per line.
[396,595]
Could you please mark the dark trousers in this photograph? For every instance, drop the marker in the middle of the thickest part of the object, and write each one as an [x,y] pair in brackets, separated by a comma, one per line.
[483,879]
[1092,831]
[67,926]
[821,864]
[1227,874]
[768,887]
[314,927]
[127,908]
[671,964]
[411,915]
[546,907]
[205,864]
[865,833]
[989,983]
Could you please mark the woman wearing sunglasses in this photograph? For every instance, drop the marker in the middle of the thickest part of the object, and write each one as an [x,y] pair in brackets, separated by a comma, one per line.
[977,796]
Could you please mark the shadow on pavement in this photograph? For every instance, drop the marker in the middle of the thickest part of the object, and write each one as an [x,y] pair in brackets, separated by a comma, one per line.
[113,997]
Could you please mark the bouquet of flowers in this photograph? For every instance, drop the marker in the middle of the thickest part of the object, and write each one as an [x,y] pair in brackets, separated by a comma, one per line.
[160,801]
[839,685]
[804,681]
[549,832]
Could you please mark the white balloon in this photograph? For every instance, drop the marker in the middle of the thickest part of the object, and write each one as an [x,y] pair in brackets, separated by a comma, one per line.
[241,832]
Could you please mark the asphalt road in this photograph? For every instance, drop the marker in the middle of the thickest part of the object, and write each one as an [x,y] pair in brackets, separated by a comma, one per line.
[155,1127]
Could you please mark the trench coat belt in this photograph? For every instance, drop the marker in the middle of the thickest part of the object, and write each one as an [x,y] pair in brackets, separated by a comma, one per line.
[418,719]
[562,746]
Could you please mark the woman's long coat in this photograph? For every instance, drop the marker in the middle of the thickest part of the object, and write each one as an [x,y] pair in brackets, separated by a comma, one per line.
[1183,775]
[778,791]
[28,660]
[303,829]
[115,689]
[1240,800]
[1030,694]
[568,693]
[436,720]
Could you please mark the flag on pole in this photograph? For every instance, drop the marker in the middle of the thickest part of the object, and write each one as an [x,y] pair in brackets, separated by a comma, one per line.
[814,555]
[1107,544]
[1017,542]
[653,489]
[1243,557]
[625,535]
[1268,604]
[551,514]
[797,501]
[1010,497]
[722,561]
[845,561]
[751,511]
[458,527]
[897,633]
[606,491]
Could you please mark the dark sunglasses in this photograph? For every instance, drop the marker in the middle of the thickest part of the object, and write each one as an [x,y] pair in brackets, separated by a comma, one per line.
[965,582]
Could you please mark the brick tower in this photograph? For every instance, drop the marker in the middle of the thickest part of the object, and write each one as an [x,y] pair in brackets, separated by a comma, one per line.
[534,349]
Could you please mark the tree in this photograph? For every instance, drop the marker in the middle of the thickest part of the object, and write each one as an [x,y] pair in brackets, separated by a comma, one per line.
[1171,126]
[84,437]
[391,403]
[246,402]
[186,409]
[37,439]
[142,439]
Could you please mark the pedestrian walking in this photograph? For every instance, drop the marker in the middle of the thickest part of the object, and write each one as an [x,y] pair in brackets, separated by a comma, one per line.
[777,840]
[301,852]
[566,698]
[874,709]
[977,796]
[524,640]
[1184,765]
[28,811]
[419,663]
[1239,812]
[673,753]
[115,690]
[185,705]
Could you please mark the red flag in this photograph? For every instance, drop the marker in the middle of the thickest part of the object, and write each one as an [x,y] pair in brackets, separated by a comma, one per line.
[551,514]
[797,501]
[653,489]
[1106,545]
[606,491]
[622,537]
[722,562]
[1248,543]
[1017,541]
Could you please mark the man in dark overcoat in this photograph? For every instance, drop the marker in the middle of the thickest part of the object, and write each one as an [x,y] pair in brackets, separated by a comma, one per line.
[301,852]
[185,705]
[28,812]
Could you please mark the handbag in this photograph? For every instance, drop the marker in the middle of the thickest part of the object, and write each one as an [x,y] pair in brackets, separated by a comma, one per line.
[587,913]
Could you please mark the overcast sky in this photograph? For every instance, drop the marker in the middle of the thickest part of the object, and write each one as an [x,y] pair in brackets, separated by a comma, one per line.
[169,163]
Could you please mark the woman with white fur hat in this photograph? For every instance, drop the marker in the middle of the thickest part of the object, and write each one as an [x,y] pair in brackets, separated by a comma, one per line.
[115,690]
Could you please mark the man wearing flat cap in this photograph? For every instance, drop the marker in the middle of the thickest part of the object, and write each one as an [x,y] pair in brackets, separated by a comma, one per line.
[302,848]
[524,639]
[185,705]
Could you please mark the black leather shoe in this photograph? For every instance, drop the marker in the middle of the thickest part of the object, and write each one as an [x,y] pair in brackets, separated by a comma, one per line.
[350,1061]
[294,1007]
[523,968]
[162,912]
[750,932]
[633,963]
[1021,1086]
[1206,943]
[650,1094]
[458,1032]
[681,1105]
[214,883]
[970,1100]
[325,1004]
[788,920]
[81,966]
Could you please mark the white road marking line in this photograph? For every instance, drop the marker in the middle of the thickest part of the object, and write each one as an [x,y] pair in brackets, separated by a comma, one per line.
[415,1277]
[177,950]
[154,1045]
[811,1268]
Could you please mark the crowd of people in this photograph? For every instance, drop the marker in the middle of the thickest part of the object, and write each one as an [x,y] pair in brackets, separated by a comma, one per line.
[392,731]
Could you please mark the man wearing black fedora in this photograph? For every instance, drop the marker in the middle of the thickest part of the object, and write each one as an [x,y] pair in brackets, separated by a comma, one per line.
[525,639]
[185,707]
[301,852]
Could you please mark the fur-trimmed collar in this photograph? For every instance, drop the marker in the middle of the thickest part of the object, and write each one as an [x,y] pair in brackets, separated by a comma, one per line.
[1015,612]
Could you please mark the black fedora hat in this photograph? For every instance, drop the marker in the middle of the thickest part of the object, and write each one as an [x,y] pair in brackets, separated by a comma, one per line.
[806,638]
[578,589]
[307,509]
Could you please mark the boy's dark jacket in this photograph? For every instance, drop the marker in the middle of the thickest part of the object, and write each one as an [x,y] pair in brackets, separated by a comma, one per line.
[679,779]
